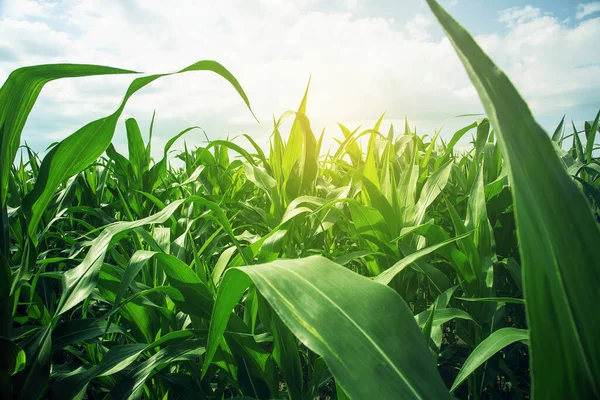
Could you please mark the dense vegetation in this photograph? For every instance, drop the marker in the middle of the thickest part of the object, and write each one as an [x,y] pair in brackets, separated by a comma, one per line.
[403,268]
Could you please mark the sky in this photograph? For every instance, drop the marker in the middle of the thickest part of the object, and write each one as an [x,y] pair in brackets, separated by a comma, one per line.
[364,57]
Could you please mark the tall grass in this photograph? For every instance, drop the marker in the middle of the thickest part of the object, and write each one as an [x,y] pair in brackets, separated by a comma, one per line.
[399,269]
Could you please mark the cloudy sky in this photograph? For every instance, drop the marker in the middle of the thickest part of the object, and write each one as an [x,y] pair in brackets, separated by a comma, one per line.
[365,57]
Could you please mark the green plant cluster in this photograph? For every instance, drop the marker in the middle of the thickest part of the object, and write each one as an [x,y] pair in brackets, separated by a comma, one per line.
[394,266]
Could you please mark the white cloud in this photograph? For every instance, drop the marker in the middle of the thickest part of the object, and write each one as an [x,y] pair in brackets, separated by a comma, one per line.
[519,15]
[585,9]
[351,5]
[28,8]
[360,66]
[419,28]
[542,57]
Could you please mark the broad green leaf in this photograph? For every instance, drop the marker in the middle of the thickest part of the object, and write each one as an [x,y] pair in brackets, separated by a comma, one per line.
[431,190]
[131,386]
[17,98]
[304,170]
[354,255]
[13,355]
[137,151]
[79,282]
[556,231]
[259,152]
[386,276]
[285,351]
[230,145]
[377,200]
[311,297]
[197,299]
[352,148]
[295,143]
[139,315]
[276,155]
[222,264]
[137,261]
[370,170]
[455,138]
[370,224]
[84,146]
[76,330]
[443,315]
[115,360]
[486,349]
[152,178]
[38,352]
[267,184]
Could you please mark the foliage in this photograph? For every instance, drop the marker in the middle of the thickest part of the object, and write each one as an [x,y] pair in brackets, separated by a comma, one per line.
[405,268]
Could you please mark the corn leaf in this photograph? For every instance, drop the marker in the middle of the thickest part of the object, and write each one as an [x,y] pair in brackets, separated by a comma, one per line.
[310,297]
[556,231]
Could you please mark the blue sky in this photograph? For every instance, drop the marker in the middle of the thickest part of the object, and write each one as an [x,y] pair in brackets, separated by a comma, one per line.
[365,57]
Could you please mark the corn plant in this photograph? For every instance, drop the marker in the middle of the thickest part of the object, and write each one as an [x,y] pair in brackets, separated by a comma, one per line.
[393,266]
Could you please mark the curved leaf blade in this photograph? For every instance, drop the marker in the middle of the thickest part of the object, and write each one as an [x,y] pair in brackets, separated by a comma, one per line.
[556,232]
[310,296]
[18,96]
[386,276]
[490,346]
[88,143]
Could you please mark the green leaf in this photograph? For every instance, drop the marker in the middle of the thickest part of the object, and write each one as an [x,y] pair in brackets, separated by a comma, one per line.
[591,138]
[311,297]
[17,98]
[431,190]
[79,282]
[558,132]
[152,178]
[354,255]
[352,147]
[130,387]
[138,157]
[386,276]
[267,184]
[118,358]
[14,357]
[511,300]
[76,330]
[295,143]
[370,170]
[443,315]
[428,325]
[33,379]
[370,224]
[285,351]
[136,262]
[84,146]
[486,349]
[577,144]
[556,232]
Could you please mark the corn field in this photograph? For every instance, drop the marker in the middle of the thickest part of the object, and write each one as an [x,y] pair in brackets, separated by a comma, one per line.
[394,266]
